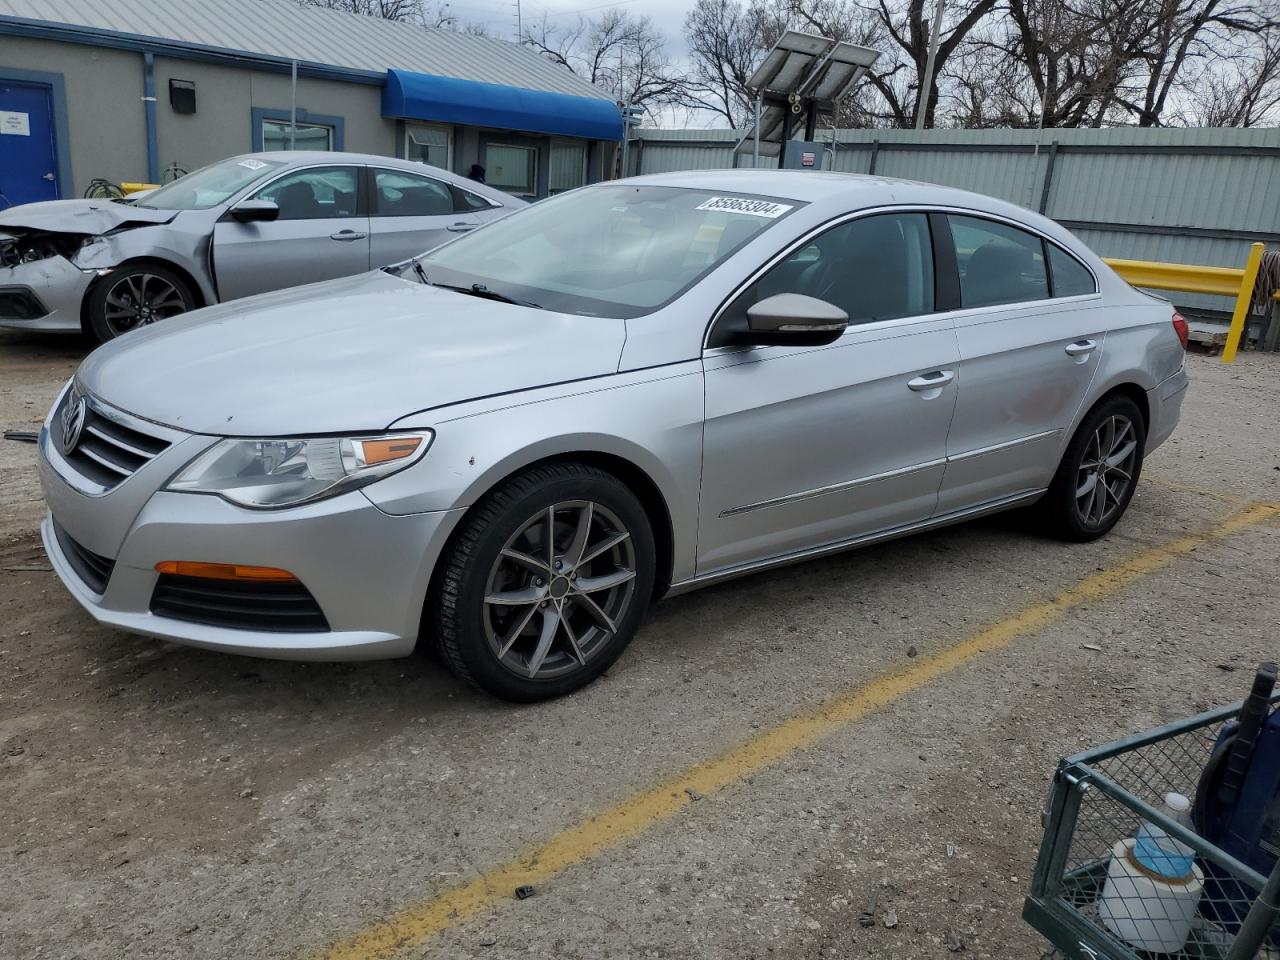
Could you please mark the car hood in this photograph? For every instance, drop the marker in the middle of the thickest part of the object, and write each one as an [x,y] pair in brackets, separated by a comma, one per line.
[354,354]
[88,217]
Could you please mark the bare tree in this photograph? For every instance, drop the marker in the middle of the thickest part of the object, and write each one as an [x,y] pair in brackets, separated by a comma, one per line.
[428,13]
[727,42]
[1244,92]
[403,10]
[617,51]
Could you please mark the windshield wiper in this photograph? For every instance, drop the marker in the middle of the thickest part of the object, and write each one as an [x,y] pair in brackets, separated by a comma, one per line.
[480,290]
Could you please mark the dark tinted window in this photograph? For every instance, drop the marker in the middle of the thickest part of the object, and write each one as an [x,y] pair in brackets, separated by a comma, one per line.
[314,194]
[398,194]
[1070,278]
[998,263]
[873,268]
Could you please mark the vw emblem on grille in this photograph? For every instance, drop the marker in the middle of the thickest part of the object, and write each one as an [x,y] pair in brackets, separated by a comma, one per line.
[73,416]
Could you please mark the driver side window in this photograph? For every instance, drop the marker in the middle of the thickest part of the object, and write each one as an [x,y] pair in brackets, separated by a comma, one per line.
[318,193]
[874,268]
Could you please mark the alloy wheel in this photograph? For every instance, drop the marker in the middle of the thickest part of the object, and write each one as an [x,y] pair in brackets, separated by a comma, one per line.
[138,299]
[1106,470]
[558,589]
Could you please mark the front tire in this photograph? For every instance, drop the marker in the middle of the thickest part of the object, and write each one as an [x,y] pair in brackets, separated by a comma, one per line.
[134,296]
[1098,473]
[545,583]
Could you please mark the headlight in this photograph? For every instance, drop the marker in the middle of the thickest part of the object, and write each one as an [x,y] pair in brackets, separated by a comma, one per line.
[285,473]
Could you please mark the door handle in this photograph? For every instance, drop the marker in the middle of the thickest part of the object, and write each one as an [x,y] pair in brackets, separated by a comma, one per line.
[346,236]
[461,227]
[50,177]
[931,381]
[1081,348]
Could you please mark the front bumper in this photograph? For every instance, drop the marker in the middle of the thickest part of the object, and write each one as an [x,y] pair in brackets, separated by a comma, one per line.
[57,284]
[367,570]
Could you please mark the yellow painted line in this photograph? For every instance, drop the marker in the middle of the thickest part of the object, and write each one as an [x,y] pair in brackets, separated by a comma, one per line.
[416,924]
[1177,486]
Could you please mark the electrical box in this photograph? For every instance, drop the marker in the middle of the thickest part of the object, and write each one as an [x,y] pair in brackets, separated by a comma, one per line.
[805,155]
[182,96]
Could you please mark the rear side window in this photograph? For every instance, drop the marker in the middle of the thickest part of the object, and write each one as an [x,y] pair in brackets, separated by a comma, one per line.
[469,201]
[397,194]
[1070,278]
[998,263]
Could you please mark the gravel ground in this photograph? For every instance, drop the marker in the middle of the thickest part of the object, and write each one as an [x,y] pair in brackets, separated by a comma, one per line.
[165,802]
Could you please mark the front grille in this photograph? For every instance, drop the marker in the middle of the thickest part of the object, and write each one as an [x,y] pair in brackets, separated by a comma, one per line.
[108,452]
[94,570]
[241,605]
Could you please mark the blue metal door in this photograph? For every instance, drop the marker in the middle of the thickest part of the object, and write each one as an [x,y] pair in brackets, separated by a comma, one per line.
[28,162]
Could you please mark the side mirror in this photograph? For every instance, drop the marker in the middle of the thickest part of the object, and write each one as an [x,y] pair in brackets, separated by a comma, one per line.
[792,319]
[255,211]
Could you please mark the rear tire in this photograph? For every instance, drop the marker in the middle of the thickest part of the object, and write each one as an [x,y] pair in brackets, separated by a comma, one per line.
[545,583]
[1098,473]
[136,295]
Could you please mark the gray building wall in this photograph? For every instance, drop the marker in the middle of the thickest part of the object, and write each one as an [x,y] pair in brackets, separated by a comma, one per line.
[106,114]
[1183,196]
[108,132]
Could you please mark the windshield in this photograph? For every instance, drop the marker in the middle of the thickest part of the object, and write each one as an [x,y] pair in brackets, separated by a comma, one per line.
[209,186]
[615,251]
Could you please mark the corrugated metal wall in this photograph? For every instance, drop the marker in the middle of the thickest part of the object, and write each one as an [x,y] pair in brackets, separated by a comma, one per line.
[1190,196]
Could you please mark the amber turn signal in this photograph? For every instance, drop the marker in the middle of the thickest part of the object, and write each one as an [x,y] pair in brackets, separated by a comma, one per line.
[385,451]
[224,571]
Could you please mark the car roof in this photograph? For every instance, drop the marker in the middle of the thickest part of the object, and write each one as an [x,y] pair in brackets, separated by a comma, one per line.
[297,157]
[848,191]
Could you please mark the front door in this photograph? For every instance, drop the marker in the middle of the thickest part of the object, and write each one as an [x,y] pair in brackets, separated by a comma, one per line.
[1031,340]
[29,171]
[410,214]
[320,234]
[810,446]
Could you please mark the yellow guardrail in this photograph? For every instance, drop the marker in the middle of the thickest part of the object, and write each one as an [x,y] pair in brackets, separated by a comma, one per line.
[1234,282]
[130,187]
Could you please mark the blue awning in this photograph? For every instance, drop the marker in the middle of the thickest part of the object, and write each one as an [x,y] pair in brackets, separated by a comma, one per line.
[424,96]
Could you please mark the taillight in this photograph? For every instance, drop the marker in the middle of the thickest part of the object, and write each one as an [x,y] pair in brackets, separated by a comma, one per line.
[1180,328]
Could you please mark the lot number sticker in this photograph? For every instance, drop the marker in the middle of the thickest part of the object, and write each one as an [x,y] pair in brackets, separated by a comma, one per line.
[755,208]
[252,164]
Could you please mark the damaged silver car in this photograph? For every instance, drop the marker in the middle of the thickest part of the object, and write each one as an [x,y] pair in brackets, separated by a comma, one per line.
[243,226]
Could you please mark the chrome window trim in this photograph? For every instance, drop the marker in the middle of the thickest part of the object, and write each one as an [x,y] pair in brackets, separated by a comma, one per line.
[925,209]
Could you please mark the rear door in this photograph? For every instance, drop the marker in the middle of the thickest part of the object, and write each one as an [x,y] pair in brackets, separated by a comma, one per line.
[322,232]
[28,171]
[410,214]
[1031,340]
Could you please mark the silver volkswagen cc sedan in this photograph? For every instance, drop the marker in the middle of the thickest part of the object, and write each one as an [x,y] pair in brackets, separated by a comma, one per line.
[232,229]
[509,446]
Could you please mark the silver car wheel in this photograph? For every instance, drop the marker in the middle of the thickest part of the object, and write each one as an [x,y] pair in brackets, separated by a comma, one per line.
[1106,470]
[558,589]
[138,299]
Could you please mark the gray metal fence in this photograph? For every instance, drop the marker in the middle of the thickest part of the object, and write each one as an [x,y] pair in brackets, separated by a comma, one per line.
[1188,196]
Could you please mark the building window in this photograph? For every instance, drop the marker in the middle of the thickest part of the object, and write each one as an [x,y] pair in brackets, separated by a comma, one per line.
[568,166]
[308,136]
[429,145]
[511,168]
